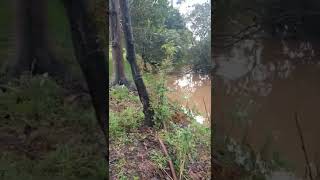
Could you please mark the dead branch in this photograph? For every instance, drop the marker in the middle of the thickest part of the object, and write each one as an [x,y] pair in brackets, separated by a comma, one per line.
[174,176]
[238,39]
[303,145]
[208,116]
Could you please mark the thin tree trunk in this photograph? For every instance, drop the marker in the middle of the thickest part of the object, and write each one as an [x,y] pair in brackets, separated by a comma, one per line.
[142,91]
[91,57]
[117,57]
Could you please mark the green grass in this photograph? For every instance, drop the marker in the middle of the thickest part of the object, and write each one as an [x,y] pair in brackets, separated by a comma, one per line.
[186,144]
[159,159]
[125,120]
[70,130]
[121,93]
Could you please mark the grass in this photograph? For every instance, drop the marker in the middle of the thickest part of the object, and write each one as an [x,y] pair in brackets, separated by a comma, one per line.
[187,141]
[62,141]
[137,152]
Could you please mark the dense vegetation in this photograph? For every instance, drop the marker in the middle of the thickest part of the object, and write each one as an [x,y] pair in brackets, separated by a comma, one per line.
[160,29]
[163,44]
[48,127]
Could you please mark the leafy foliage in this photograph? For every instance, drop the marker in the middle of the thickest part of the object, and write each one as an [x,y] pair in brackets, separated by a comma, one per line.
[156,25]
[200,20]
[201,28]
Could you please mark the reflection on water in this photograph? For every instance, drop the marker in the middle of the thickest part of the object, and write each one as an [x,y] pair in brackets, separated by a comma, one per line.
[193,91]
[279,78]
[240,60]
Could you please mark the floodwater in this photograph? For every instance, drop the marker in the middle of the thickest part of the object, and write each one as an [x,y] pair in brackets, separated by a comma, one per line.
[192,91]
[258,88]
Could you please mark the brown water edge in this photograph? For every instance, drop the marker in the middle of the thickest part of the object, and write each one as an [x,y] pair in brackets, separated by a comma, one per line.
[271,116]
[192,91]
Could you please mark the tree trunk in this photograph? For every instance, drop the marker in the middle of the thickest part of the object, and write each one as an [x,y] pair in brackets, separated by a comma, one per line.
[32,45]
[117,57]
[91,57]
[142,91]
[143,56]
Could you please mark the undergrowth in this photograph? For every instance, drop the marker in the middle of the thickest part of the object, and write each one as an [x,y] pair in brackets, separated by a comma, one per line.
[61,137]
[187,144]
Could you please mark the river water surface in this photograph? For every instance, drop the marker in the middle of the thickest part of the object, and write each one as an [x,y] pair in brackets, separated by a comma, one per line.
[259,86]
[192,91]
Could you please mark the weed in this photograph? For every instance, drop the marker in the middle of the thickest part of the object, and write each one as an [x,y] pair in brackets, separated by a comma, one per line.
[121,93]
[158,159]
[119,167]
[115,130]
[159,100]
[121,123]
[182,145]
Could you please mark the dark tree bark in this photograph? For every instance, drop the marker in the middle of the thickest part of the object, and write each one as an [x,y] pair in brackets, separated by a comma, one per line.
[91,57]
[117,57]
[32,44]
[142,91]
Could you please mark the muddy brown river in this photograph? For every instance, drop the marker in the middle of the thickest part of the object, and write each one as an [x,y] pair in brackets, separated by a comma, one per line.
[258,88]
[193,91]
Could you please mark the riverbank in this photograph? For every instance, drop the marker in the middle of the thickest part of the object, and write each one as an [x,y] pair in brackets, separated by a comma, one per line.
[137,152]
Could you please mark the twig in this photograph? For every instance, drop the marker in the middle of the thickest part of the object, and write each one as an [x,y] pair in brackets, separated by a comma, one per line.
[303,145]
[174,176]
[166,173]
[244,37]
[206,109]
[182,166]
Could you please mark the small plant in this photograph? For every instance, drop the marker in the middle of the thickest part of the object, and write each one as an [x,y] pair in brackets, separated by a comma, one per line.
[159,100]
[119,166]
[124,122]
[159,159]
[130,119]
[201,134]
[115,130]
[182,144]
